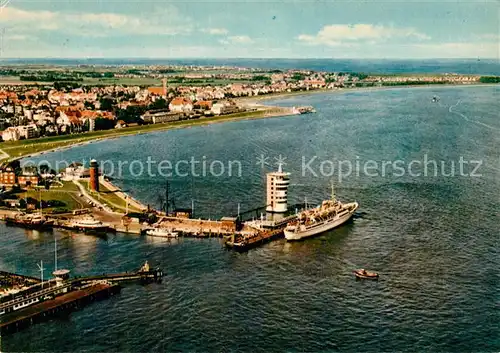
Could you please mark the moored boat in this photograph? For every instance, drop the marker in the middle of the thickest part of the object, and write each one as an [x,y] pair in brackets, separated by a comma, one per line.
[303,110]
[162,233]
[330,214]
[89,225]
[30,220]
[364,274]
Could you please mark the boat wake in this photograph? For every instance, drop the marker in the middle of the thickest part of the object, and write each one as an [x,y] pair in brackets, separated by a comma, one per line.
[450,109]
[359,215]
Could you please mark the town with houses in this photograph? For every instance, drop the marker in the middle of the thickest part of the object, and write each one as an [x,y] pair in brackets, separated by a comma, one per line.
[30,110]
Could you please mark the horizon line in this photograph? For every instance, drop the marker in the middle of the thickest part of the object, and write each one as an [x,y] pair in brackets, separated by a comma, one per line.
[238,58]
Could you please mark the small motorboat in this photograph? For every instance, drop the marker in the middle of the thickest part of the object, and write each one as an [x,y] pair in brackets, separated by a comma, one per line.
[162,233]
[364,274]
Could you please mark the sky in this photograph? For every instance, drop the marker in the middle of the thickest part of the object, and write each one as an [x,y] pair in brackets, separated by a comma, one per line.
[412,29]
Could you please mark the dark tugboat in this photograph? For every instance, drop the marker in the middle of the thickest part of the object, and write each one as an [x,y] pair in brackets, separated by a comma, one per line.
[31,221]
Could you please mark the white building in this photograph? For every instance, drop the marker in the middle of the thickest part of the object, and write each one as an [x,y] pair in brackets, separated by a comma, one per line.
[28,131]
[277,191]
[11,134]
[180,105]
[75,171]
[28,113]
[161,116]
[15,133]
[221,108]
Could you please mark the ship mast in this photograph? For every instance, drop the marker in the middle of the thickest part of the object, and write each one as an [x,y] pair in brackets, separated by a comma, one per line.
[40,198]
[55,253]
[41,269]
[166,198]
[333,193]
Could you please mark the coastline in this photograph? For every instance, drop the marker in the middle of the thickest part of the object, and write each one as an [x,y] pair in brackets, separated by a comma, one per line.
[263,111]
[282,95]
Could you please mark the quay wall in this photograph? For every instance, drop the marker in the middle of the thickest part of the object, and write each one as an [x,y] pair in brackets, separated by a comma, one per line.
[204,226]
[118,192]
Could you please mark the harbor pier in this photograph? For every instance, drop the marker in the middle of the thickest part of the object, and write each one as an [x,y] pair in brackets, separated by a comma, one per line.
[99,219]
[241,243]
[263,231]
[153,275]
[202,228]
[62,294]
[73,300]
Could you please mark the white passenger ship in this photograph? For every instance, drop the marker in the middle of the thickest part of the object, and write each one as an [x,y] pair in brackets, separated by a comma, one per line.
[330,214]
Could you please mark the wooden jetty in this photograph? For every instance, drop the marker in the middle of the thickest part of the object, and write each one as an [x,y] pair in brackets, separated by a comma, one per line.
[61,294]
[244,243]
[74,300]
[153,275]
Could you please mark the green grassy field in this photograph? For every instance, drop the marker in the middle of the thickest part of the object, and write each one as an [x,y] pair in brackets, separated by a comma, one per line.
[139,81]
[14,80]
[146,81]
[68,194]
[112,200]
[131,81]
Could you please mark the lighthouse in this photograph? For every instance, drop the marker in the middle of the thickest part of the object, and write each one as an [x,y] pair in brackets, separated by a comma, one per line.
[94,176]
[277,191]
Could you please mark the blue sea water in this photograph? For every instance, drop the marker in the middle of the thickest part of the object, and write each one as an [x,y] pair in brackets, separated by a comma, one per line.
[433,237]
[476,66]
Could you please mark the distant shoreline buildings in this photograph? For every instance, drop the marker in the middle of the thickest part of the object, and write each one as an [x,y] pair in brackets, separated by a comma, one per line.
[30,110]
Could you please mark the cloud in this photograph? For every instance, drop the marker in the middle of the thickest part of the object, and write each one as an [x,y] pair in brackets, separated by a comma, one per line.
[240,39]
[489,37]
[333,35]
[237,40]
[22,37]
[95,24]
[215,31]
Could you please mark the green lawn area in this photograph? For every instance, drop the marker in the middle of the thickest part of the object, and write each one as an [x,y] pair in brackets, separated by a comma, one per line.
[7,79]
[133,81]
[112,200]
[15,80]
[68,194]
[130,81]
[66,186]
[148,81]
